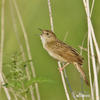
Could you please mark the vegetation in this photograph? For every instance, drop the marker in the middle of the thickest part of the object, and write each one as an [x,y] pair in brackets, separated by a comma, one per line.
[26,69]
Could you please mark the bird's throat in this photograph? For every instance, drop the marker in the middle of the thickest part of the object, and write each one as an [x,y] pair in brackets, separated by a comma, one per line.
[43,41]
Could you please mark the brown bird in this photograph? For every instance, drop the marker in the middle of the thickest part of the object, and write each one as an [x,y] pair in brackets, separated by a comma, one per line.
[62,52]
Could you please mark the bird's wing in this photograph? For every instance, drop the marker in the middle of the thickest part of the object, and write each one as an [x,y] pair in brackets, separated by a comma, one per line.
[67,52]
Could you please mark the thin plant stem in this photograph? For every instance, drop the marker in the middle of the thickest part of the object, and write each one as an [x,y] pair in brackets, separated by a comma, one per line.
[85,49]
[5,89]
[92,51]
[27,47]
[81,55]
[64,83]
[92,31]
[2,36]
[92,36]
[59,64]
[1,51]
[93,1]
[94,69]
[20,96]
[73,94]
[11,90]
[65,37]
[95,42]
[68,81]
[82,44]
[21,48]
[98,68]
[50,15]
[89,69]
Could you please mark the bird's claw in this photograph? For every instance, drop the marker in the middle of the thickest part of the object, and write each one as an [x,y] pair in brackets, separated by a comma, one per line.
[60,69]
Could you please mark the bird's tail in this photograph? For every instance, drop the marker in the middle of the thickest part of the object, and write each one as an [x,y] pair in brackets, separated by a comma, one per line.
[79,68]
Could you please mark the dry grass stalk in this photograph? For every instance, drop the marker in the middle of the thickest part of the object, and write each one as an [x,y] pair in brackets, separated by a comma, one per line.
[1,51]
[59,64]
[21,47]
[91,36]
[27,47]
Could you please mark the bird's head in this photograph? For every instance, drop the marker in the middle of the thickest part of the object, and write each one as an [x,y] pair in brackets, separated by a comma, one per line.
[47,36]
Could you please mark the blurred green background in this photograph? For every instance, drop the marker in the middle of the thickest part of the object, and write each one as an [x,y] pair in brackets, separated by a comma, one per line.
[68,16]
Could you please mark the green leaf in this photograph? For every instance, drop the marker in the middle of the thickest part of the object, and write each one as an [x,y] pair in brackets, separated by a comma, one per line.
[15,84]
[5,84]
[37,80]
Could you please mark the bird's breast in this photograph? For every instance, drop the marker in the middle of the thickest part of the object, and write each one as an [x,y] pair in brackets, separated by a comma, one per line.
[51,52]
[54,55]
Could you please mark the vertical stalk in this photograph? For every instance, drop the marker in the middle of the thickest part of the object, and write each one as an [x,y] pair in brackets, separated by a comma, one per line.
[1,50]
[91,34]
[21,48]
[27,47]
[59,64]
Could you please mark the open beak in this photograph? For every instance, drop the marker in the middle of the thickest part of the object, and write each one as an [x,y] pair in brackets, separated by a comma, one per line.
[40,30]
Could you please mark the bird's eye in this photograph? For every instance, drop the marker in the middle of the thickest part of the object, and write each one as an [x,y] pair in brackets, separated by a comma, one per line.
[47,33]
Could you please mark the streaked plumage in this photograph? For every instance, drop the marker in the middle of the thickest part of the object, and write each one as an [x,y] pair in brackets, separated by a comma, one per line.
[61,51]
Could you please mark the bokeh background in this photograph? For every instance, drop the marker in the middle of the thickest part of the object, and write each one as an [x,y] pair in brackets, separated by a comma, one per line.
[68,17]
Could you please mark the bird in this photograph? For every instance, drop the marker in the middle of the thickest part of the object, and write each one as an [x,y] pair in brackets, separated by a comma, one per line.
[62,52]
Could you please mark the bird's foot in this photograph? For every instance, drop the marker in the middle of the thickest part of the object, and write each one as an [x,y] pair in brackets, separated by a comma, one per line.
[60,69]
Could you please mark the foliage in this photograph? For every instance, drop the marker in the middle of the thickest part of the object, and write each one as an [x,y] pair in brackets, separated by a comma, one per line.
[16,77]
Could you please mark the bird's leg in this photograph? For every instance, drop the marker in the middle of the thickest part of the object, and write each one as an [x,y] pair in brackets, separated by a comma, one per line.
[60,69]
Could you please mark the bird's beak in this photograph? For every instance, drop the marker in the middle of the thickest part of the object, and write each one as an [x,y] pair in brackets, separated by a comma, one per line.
[41,31]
